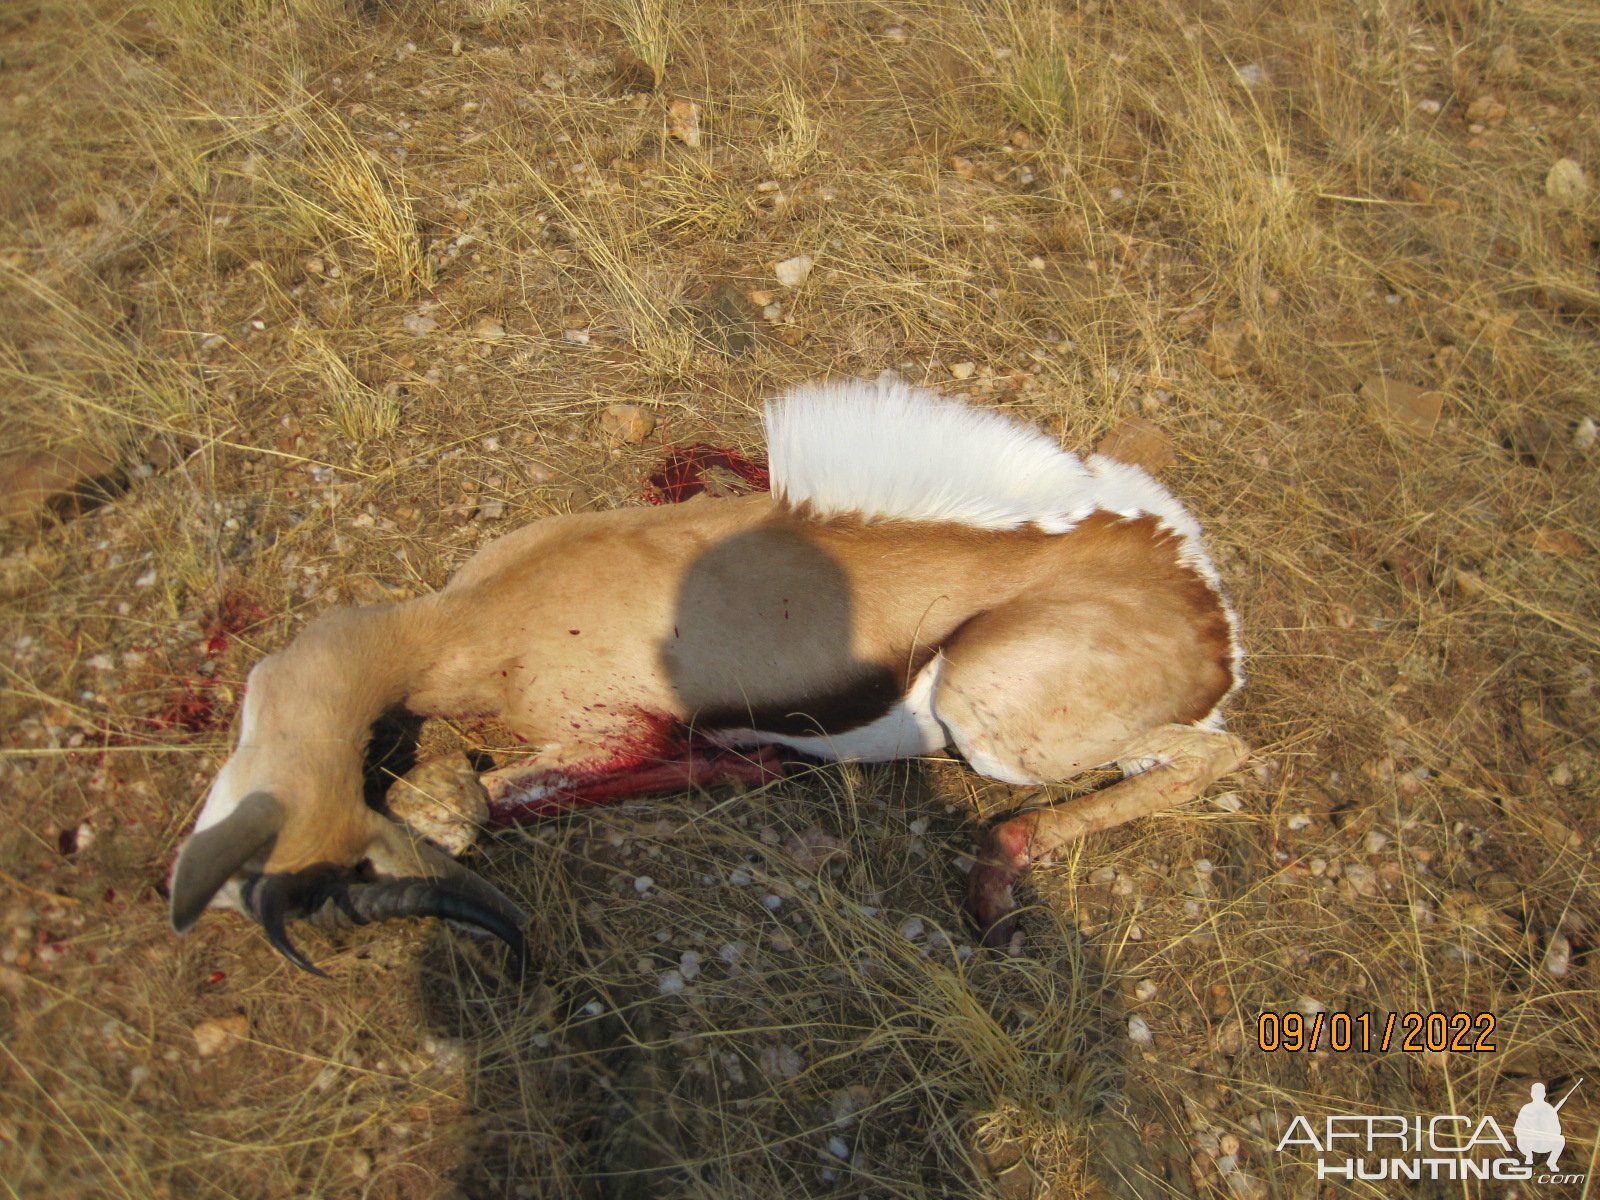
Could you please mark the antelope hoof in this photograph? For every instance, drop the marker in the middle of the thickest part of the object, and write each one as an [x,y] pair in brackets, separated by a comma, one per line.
[990,905]
[337,897]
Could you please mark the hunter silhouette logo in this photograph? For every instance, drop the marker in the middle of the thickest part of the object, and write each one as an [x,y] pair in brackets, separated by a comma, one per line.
[1538,1127]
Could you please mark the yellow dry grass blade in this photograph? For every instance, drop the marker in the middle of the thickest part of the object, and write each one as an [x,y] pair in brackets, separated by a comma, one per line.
[647,28]
[330,190]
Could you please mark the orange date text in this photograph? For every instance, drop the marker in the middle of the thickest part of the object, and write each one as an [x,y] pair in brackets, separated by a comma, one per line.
[1369,1033]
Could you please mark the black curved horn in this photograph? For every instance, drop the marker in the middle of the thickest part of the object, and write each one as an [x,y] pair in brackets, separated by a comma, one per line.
[273,900]
[327,897]
[414,896]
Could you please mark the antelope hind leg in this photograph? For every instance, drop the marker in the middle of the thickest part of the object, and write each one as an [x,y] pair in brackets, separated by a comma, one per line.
[1174,764]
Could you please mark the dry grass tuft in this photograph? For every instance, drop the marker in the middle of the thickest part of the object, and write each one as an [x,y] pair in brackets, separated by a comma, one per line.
[359,413]
[799,133]
[647,28]
[323,188]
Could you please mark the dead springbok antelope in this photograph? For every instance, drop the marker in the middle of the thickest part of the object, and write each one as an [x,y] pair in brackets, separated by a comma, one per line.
[923,575]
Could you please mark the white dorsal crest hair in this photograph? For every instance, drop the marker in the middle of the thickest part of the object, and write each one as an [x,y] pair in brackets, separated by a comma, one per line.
[884,450]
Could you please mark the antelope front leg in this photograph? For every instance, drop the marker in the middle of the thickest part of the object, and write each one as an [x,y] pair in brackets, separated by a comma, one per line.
[1184,761]
[542,788]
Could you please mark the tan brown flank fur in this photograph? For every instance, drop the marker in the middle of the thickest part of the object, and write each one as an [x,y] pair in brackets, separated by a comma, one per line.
[582,633]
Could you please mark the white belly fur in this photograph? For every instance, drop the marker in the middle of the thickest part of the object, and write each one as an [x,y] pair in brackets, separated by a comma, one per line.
[906,730]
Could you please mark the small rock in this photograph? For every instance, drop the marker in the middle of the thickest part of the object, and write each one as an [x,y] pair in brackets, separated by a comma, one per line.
[1558,956]
[1359,879]
[626,424]
[1252,75]
[1585,434]
[671,983]
[1139,1031]
[963,370]
[443,800]
[781,1062]
[489,330]
[359,1164]
[1540,441]
[1560,776]
[1430,106]
[1566,183]
[894,33]
[815,848]
[419,323]
[689,964]
[1145,989]
[792,272]
[1231,349]
[1502,63]
[1413,408]
[575,337]
[683,122]
[1547,539]
[218,1036]
[1139,443]
[847,1102]
[1376,841]
[1485,110]
[911,928]
[1498,886]
[643,884]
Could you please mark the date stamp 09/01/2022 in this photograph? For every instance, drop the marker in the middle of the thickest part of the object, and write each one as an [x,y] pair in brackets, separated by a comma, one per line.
[1368,1033]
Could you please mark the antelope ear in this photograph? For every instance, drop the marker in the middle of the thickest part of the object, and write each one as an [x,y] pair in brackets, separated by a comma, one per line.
[209,858]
